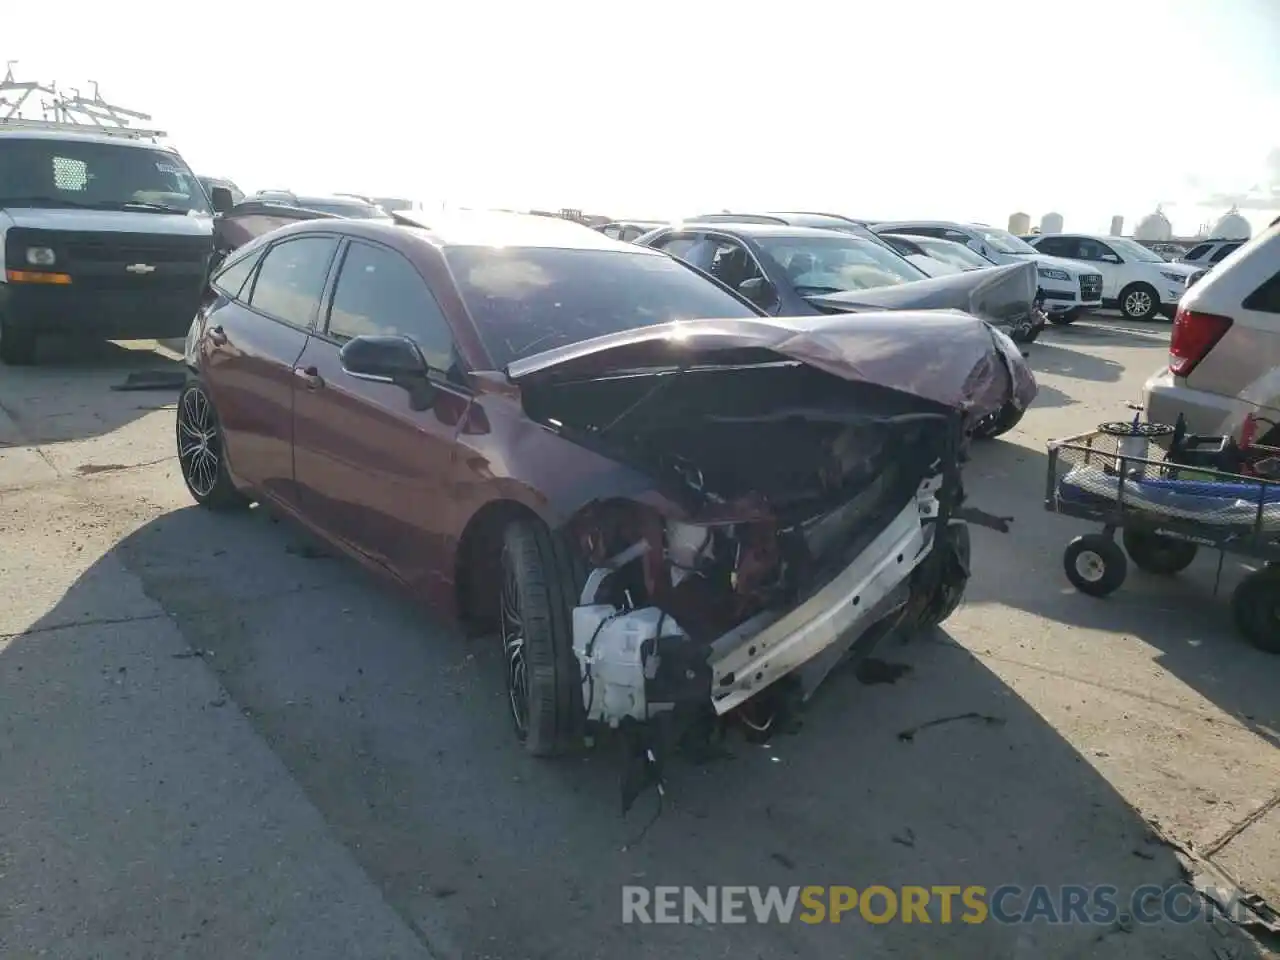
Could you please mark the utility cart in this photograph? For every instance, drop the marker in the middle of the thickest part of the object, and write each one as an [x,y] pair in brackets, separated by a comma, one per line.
[1167,501]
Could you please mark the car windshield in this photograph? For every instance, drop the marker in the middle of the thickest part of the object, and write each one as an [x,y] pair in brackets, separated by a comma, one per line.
[1132,250]
[1002,241]
[525,300]
[102,176]
[952,253]
[352,209]
[834,264]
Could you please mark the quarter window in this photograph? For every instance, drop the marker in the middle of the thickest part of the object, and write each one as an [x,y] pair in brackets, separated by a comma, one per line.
[230,281]
[1266,299]
[290,283]
[380,294]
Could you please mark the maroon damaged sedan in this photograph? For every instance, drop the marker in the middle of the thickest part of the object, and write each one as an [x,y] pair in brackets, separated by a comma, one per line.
[534,428]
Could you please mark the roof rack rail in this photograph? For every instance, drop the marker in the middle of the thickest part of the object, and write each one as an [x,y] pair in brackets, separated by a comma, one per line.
[55,126]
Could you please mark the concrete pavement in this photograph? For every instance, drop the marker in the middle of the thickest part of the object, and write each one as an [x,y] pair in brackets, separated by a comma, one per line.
[333,774]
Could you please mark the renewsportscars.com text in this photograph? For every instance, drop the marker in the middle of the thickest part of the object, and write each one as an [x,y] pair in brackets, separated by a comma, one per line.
[1097,904]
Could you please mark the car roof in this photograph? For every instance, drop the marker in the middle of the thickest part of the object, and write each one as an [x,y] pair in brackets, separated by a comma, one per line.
[475,230]
[820,215]
[748,229]
[17,133]
[888,225]
[326,197]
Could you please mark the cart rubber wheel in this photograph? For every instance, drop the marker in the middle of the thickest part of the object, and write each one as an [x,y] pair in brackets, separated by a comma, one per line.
[1095,565]
[1158,554]
[1256,605]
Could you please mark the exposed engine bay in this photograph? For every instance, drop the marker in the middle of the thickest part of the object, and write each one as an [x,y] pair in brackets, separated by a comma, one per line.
[812,509]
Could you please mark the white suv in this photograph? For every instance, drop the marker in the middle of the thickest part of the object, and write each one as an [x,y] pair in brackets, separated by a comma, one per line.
[1135,280]
[1210,253]
[1224,357]
[1070,289]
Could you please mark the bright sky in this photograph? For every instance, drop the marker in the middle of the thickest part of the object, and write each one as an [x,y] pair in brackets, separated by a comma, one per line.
[967,109]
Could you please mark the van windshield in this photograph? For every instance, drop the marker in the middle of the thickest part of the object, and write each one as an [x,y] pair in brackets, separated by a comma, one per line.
[103,176]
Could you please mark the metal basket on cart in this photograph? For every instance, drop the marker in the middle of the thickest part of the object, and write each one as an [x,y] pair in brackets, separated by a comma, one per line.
[1118,476]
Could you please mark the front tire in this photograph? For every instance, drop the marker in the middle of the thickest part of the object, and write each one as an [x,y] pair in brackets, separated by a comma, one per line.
[1095,565]
[202,453]
[541,577]
[17,347]
[997,425]
[1066,317]
[1139,301]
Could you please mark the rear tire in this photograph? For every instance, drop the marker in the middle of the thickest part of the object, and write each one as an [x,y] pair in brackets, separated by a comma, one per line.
[1163,556]
[541,578]
[1256,606]
[1139,301]
[1095,565]
[17,347]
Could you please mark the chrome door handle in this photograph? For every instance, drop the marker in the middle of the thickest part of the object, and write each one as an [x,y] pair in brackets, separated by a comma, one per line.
[310,377]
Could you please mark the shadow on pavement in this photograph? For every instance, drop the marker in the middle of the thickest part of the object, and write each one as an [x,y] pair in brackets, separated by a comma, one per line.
[69,394]
[1048,396]
[1054,358]
[396,727]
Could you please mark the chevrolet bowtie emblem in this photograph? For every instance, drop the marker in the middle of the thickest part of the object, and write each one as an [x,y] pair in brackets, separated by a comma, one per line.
[140,268]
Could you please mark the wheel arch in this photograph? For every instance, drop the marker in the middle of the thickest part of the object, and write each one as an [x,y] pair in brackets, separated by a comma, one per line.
[477,558]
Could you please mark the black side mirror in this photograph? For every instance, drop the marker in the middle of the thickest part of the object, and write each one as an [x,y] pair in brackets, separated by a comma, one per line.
[395,360]
[221,199]
[759,291]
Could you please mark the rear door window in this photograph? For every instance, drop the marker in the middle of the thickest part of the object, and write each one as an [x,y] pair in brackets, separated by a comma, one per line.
[380,294]
[678,245]
[291,281]
[1224,251]
[1093,249]
[1059,247]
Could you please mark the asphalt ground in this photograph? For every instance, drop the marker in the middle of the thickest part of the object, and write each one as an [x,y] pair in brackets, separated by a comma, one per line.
[218,741]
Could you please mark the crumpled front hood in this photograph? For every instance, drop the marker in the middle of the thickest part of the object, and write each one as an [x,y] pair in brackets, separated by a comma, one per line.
[943,356]
[997,294]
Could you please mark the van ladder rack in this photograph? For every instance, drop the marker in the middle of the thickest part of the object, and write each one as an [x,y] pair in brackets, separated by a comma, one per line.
[71,112]
[127,133]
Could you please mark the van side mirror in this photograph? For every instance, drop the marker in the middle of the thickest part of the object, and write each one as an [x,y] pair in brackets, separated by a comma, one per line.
[221,200]
[1110,258]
